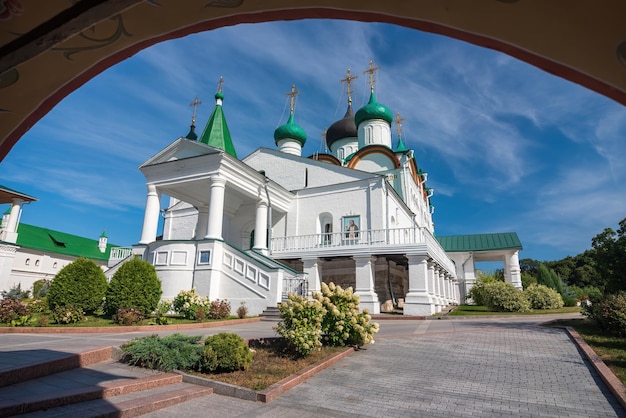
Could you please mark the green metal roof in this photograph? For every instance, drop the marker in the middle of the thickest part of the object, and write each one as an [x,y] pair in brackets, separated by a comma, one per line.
[481,242]
[216,133]
[48,240]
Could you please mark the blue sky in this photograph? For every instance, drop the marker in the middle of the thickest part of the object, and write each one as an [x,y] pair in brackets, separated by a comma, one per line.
[507,146]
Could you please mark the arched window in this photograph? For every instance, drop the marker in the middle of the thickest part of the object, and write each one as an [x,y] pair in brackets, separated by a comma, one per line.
[325,227]
[27,262]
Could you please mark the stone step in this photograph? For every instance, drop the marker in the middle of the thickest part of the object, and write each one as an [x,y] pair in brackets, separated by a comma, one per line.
[271,313]
[57,396]
[129,405]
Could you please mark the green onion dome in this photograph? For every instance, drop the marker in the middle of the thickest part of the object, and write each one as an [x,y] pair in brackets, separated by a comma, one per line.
[290,131]
[373,110]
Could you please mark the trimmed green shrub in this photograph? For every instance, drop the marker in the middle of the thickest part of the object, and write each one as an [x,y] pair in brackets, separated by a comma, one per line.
[542,297]
[477,292]
[81,283]
[134,285]
[174,352]
[14,312]
[609,312]
[191,305]
[343,324]
[68,314]
[504,297]
[225,352]
[301,324]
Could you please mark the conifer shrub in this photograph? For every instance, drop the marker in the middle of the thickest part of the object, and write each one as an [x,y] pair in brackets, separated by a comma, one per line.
[542,297]
[504,297]
[134,285]
[609,312]
[223,353]
[174,352]
[81,284]
[16,292]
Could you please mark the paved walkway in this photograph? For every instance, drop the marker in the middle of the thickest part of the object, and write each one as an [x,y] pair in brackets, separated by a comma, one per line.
[488,367]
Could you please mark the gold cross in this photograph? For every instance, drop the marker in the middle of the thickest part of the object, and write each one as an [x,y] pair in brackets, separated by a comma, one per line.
[372,70]
[220,83]
[348,81]
[398,120]
[293,93]
[195,105]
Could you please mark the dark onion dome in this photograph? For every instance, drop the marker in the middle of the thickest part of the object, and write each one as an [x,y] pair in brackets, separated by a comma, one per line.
[373,110]
[290,131]
[343,128]
[192,133]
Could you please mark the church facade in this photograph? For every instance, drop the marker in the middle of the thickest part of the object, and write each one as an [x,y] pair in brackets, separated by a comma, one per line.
[252,230]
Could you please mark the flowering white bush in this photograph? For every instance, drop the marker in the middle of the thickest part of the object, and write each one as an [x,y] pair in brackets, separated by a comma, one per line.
[191,305]
[332,317]
[301,323]
[343,324]
[542,297]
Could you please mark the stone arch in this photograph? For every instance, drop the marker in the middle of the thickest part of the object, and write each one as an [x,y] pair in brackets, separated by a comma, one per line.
[61,39]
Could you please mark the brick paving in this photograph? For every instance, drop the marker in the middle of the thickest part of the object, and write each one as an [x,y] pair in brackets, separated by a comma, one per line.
[487,367]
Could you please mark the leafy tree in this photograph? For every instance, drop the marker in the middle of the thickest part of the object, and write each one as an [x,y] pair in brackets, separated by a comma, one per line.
[549,278]
[134,285]
[81,284]
[610,257]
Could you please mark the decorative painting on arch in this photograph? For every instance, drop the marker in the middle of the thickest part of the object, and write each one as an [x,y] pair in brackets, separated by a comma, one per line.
[351,225]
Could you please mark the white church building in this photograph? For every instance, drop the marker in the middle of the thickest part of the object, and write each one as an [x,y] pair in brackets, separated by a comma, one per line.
[254,229]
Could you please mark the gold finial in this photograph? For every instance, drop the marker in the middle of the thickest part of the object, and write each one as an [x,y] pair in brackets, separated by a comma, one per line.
[220,83]
[293,93]
[348,81]
[398,120]
[195,105]
[371,71]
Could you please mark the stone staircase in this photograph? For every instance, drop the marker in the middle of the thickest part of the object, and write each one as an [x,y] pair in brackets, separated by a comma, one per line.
[271,313]
[94,386]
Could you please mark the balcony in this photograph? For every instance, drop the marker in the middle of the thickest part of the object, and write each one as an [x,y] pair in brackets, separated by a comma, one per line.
[416,241]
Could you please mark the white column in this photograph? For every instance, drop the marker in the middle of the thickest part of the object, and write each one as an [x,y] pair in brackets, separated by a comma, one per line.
[260,227]
[150,216]
[216,208]
[439,281]
[313,268]
[10,230]
[417,301]
[203,222]
[365,273]
[431,283]
[514,270]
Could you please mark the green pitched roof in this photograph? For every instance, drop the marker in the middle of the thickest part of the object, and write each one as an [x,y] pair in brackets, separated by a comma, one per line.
[216,133]
[481,242]
[48,240]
